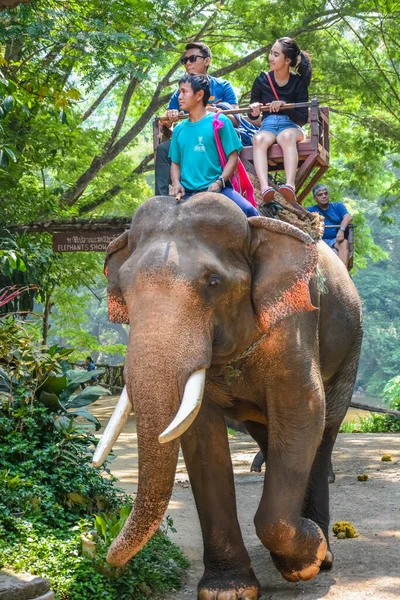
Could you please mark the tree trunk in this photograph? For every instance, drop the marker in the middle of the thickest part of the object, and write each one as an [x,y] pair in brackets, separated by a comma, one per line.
[46,315]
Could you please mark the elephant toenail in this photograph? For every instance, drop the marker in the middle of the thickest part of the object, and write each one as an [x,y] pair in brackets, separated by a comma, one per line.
[207,595]
[250,595]
[227,596]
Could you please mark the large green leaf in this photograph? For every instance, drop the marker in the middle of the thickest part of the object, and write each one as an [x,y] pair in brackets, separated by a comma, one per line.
[54,384]
[10,153]
[8,103]
[81,412]
[75,378]
[81,375]
[87,396]
[51,401]
[3,160]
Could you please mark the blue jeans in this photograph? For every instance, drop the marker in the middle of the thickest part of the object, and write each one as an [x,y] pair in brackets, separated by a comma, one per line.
[277,123]
[230,193]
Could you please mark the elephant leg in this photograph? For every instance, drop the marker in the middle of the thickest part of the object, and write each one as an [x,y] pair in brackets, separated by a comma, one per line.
[295,427]
[338,397]
[260,434]
[228,573]
[316,505]
[258,461]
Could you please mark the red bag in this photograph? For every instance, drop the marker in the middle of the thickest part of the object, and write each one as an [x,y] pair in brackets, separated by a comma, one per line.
[240,179]
[272,86]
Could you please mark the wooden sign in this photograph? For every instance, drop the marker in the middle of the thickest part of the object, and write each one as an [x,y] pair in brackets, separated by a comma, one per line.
[84,241]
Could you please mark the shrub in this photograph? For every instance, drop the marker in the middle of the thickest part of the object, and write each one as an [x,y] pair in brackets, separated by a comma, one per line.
[391,393]
[374,423]
[50,493]
[56,556]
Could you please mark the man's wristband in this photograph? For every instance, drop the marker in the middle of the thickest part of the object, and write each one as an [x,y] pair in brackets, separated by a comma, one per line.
[252,117]
[343,229]
[221,181]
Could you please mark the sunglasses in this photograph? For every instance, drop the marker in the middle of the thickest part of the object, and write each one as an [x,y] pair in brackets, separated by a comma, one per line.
[192,58]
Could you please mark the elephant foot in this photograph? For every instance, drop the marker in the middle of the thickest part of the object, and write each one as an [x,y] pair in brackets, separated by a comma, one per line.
[301,567]
[327,563]
[257,463]
[229,588]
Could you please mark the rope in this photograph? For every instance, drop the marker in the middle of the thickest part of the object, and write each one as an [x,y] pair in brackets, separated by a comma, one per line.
[279,208]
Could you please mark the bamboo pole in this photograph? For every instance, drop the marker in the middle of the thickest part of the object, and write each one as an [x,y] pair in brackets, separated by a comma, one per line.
[246,109]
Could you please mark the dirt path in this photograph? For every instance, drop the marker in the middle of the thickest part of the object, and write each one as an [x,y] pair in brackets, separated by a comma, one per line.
[365,567]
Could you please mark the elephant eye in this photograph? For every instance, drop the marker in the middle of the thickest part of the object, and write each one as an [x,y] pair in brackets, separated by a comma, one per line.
[214,281]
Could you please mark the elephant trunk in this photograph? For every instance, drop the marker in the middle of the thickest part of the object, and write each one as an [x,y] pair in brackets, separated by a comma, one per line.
[157,402]
[157,466]
[170,342]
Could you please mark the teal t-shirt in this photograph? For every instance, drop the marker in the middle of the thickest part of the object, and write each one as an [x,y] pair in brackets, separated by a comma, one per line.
[194,148]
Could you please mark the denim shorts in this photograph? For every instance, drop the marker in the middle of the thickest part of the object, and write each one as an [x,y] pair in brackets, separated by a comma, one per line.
[277,123]
[330,241]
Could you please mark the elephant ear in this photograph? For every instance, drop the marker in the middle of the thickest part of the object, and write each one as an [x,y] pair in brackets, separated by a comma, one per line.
[284,259]
[117,253]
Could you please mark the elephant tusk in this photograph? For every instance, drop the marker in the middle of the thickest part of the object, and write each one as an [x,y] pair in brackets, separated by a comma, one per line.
[190,406]
[113,429]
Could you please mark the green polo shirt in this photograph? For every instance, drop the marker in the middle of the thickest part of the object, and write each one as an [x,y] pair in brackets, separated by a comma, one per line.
[194,148]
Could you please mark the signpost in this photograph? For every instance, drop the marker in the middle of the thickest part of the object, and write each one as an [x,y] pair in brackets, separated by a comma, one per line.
[84,241]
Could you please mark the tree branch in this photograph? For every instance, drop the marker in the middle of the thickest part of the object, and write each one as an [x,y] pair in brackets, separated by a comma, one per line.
[100,98]
[372,55]
[116,189]
[122,112]
[372,88]
[386,129]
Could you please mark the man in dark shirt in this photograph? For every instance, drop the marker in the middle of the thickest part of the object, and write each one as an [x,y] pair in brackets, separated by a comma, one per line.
[334,213]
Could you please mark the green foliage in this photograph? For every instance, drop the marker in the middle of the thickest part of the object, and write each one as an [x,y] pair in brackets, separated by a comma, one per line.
[49,492]
[50,464]
[6,104]
[378,288]
[27,363]
[109,526]
[374,423]
[57,394]
[80,321]
[41,372]
[21,268]
[391,393]
[56,556]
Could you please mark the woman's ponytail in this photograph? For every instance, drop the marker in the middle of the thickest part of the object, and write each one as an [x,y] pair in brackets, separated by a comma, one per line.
[299,59]
[304,67]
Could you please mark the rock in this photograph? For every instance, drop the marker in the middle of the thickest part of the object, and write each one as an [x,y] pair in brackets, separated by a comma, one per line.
[23,586]
[362,477]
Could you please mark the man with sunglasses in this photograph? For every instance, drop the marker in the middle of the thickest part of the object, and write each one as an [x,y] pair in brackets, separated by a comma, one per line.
[196,60]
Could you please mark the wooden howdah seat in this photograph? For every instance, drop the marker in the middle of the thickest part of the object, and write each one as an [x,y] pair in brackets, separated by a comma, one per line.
[313,152]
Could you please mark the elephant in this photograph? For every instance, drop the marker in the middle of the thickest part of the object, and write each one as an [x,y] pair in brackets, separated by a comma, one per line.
[244,318]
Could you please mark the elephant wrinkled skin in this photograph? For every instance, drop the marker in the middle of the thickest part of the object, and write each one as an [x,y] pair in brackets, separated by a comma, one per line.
[205,288]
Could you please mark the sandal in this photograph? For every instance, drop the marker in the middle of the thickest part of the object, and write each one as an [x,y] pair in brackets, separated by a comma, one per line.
[288,192]
[268,194]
